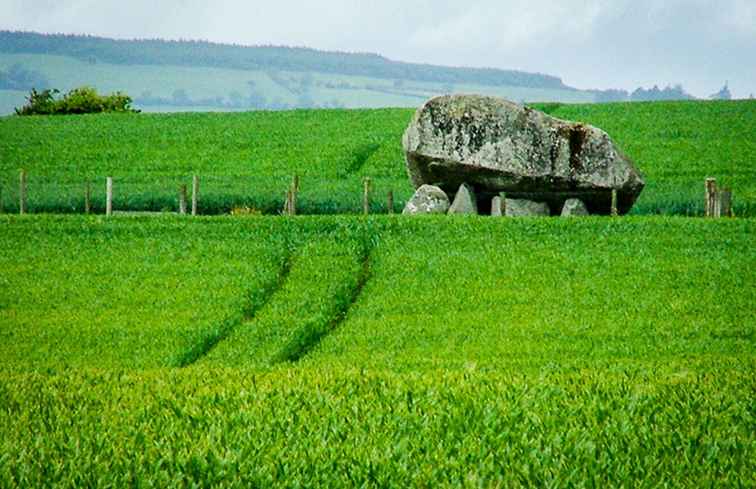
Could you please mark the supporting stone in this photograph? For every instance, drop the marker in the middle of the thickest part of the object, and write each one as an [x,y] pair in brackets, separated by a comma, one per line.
[525,208]
[574,207]
[428,199]
[496,207]
[464,201]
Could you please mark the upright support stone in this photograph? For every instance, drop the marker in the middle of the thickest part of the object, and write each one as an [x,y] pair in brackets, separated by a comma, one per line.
[366,196]
[428,199]
[526,208]
[464,201]
[725,202]
[195,194]
[710,187]
[574,207]
[182,199]
[22,192]
[109,196]
[496,207]
[390,202]
[614,210]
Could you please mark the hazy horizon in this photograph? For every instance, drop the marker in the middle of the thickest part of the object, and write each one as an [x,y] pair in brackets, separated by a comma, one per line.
[589,44]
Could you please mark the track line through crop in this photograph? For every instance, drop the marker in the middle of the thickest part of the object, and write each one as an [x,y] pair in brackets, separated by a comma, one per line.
[307,338]
[201,349]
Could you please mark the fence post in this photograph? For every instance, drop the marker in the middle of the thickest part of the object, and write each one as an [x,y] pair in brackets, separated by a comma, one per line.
[109,196]
[614,210]
[182,199]
[366,195]
[287,205]
[87,198]
[390,202]
[195,194]
[503,196]
[294,192]
[724,203]
[710,196]
[22,192]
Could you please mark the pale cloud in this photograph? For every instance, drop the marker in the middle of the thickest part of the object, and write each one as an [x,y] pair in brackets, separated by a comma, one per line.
[589,43]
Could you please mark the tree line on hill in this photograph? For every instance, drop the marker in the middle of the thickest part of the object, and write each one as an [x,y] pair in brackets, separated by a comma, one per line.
[202,53]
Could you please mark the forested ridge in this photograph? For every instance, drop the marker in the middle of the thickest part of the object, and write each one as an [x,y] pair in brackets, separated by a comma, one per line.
[202,53]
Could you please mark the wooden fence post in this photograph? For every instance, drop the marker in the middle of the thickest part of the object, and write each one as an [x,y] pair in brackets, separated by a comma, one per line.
[109,196]
[294,192]
[710,196]
[390,202]
[366,196]
[182,199]
[287,204]
[503,196]
[614,210]
[195,194]
[22,192]
[87,198]
[725,202]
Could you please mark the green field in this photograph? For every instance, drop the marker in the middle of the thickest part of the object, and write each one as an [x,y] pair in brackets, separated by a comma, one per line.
[380,351]
[247,159]
[388,351]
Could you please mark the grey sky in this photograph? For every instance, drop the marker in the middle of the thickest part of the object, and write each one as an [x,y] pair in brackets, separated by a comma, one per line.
[589,43]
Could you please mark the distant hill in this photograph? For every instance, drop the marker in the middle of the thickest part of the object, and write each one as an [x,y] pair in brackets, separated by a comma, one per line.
[213,55]
[202,76]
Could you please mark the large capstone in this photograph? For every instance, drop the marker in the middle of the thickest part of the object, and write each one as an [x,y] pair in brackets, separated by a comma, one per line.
[428,199]
[499,146]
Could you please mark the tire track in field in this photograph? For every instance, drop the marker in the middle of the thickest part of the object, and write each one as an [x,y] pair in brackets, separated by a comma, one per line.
[201,349]
[306,339]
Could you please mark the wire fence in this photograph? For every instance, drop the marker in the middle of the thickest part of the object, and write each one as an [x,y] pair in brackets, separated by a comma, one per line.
[224,194]
[215,194]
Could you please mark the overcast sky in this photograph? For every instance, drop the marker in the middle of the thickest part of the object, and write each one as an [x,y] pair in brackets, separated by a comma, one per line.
[588,43]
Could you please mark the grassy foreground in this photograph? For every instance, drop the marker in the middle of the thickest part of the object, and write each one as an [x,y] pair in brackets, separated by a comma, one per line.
[247,159]
[344,351]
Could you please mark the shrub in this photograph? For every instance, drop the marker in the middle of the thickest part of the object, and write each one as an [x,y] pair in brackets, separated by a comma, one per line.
[82,100]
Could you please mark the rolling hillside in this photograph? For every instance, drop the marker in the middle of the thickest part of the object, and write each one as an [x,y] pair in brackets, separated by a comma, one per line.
[198,76]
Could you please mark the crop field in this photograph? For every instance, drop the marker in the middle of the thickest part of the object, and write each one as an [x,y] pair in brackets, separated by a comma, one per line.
[336,350]
[247,159]
[384,351]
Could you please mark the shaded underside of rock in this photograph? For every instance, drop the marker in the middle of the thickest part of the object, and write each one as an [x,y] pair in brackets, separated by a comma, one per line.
[496,145]
[428,199]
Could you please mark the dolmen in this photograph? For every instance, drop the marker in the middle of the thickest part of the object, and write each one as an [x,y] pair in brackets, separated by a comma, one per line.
[491,156]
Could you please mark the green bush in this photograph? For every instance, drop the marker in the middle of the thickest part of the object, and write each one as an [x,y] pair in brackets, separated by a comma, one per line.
[82,100]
